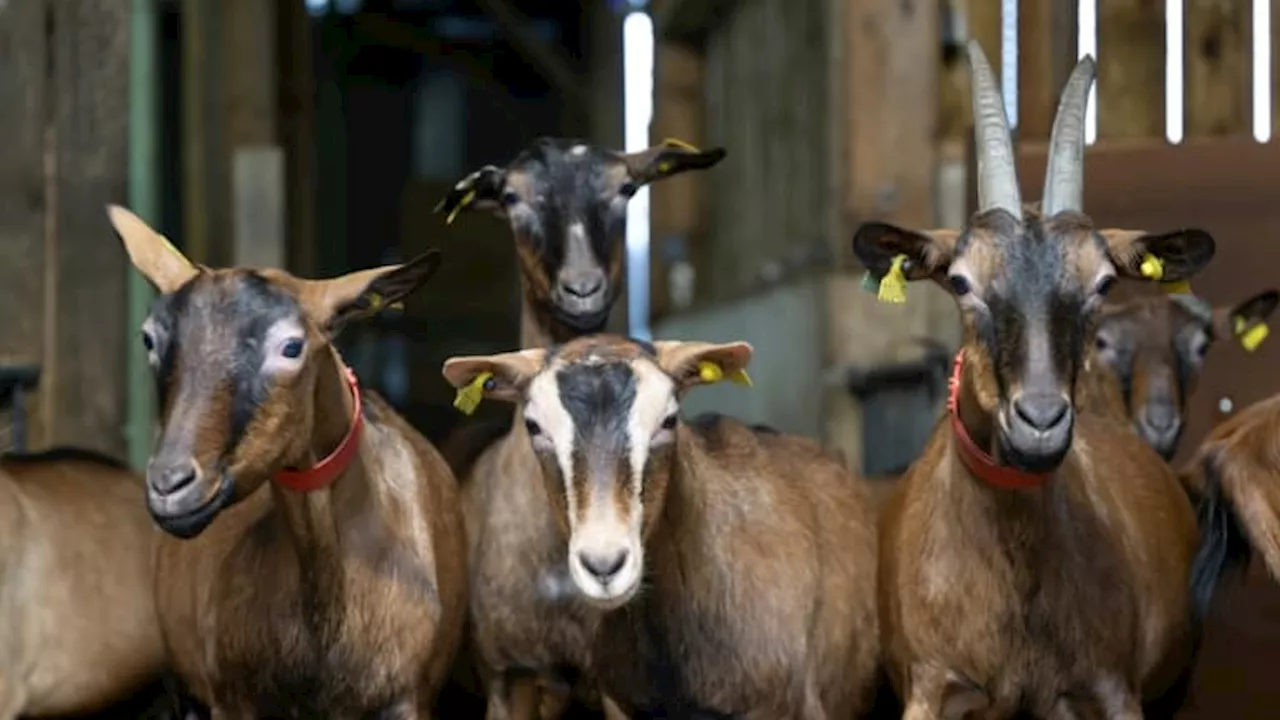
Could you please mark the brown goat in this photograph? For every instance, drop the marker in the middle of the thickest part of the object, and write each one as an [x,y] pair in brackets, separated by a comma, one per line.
[730,568]
[1155,348]
[79,629]
[336,591]
[566,203]
[1034,559]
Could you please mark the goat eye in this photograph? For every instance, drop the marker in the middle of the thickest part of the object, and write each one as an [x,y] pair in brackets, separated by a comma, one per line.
[669,422]
[1100,343]
[510,198]
[292,349]
[148,342]
[1104,285]
[959,285]
[628,189]
[533,427]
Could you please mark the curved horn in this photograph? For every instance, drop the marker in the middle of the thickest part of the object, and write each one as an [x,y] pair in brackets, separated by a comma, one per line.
[997,181]
[1064,175]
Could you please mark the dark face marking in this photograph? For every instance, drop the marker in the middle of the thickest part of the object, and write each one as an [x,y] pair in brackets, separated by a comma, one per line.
[598,399]
[566,201]
[1029,301]
[209,346]
[1155,347]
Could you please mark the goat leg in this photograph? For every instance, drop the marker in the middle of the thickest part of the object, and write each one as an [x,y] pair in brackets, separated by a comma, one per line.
[12,698]
[611,709]
[512,696]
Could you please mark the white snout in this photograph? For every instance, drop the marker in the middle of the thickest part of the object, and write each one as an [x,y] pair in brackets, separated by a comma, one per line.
[605,563]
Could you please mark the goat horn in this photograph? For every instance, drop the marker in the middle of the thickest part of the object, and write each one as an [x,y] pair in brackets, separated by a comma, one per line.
[1064,175]
[997,179]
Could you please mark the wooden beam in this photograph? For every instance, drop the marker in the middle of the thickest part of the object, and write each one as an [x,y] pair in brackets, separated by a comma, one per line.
[1046,54]
[1130,69]
[551,61]
[25,101]
[689,21]
[1217,67]
[678,205]
[90,125]
[297,109]
[204,168]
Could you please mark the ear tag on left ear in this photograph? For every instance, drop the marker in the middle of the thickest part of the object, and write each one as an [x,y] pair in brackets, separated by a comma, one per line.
[463,203]
[893,286]
[870,283]
[469,397]
[1152,267]
[1250,339]
[712,373]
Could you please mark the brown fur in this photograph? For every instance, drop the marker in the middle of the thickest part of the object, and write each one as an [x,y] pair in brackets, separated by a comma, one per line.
[1065,599]
[343,602]
[758,591]
[79,629]
[532,650]
[1149,353]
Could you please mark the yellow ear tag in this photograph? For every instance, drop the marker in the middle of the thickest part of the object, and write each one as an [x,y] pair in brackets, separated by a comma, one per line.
[712,373]
[466,200]
[469,397]
[893,286]
[664,167]
[1177,287]
[1152,267]
[1251,339]
[673,142]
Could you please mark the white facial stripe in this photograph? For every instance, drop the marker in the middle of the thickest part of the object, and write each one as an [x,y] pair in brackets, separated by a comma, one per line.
[278,336]
[578,150]
[544,407]
[654,401]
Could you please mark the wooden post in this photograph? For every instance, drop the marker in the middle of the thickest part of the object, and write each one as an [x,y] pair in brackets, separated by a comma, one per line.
[1046,54]
[1130,69]
[678,210]
[297,98]
[1275,70]
[85,367]
[255,160]
[205,206]
[1217,74]
[24,103]
[890,115]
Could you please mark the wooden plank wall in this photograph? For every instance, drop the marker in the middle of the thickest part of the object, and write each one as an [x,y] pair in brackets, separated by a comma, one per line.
[63,106]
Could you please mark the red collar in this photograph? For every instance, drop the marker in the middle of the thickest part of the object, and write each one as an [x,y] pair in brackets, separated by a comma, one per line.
[323,473]
[979,463]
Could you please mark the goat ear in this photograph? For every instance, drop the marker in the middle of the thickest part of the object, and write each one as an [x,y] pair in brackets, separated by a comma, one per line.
[150,252]
[928,252]
[702,363]
[671,157]
[334,302]
[1179,254]
[481,190]
[495,377]
[1244,319]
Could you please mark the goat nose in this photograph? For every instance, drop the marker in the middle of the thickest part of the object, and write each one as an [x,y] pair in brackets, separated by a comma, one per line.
[1159,417]
[583,287]
[169,479]
[603,565]
[1041,412]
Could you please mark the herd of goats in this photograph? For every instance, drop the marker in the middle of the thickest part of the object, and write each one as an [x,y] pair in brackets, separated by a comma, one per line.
[599,555]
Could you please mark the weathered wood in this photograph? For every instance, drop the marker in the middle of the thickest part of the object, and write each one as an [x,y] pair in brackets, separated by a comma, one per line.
[676,204]
[24,97]
[890,156]
[257,195]
[249,71]
[1217,67]
[1275,69]
[691,21]
[90,115]
[1046,53]
[1130,87]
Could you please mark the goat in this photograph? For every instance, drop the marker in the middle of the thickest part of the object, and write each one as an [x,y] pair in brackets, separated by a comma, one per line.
[1034,559]
[80,632]
[1155,347]
[338,589]
[729,568]
[566,203]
